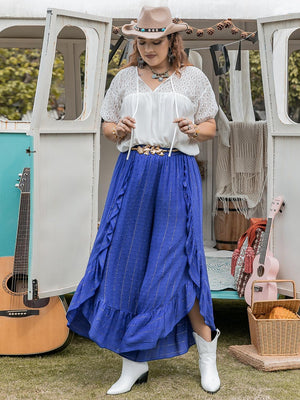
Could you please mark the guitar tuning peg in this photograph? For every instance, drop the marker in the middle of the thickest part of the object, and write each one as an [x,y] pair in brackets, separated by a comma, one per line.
[20,175]
[17,185]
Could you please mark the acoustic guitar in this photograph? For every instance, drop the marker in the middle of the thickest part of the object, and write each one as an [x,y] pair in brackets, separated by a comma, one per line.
[265,266]
[27,327]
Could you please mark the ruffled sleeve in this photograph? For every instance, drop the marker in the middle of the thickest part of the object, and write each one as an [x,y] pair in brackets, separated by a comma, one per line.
[111,106]
[207,107]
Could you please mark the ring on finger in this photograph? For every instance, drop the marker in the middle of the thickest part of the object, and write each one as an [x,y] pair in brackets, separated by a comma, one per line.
[189,127]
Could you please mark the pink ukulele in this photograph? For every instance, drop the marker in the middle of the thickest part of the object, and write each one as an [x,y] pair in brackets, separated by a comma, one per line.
[265,266]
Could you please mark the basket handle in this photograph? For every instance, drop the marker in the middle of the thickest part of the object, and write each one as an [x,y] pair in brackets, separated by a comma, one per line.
[272,280]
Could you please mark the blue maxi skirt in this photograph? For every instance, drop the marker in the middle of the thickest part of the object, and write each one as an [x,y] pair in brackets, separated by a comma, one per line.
[147,265]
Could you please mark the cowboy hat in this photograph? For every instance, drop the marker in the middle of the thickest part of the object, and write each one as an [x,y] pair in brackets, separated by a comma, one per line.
[153,23]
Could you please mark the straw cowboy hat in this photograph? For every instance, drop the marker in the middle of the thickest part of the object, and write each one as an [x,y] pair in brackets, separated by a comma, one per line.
[153,23]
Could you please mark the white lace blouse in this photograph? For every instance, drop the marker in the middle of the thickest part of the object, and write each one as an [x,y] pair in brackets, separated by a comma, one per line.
[189,95]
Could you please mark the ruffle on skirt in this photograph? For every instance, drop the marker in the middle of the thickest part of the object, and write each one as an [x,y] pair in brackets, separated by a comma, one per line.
[147,265]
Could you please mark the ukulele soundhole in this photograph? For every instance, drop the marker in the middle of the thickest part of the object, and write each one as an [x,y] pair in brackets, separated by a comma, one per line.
[260,271]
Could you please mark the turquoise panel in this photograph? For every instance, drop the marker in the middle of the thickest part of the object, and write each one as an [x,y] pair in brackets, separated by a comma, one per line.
[13,158]
[225,294]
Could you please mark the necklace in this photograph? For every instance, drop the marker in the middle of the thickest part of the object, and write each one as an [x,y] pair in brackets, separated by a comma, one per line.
[160,76]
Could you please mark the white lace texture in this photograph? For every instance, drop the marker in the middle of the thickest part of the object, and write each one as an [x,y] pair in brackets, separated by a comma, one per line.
[193,84]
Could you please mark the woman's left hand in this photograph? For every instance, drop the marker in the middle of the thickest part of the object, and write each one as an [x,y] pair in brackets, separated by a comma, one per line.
[186,126]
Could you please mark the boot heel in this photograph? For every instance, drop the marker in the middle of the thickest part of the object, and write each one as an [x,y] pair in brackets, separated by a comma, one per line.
[132,373]
[142,379]
[210,380]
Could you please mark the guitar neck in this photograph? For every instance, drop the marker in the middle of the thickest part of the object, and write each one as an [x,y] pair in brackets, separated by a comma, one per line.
[23,236]
[265,243]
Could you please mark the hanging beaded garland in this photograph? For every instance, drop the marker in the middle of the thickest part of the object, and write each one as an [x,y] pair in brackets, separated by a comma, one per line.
[224,24]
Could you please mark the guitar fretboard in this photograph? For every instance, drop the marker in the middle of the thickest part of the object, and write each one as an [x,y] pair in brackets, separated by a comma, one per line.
[23,236]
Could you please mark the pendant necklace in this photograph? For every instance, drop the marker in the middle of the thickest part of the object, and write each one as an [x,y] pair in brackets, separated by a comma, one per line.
[160,76]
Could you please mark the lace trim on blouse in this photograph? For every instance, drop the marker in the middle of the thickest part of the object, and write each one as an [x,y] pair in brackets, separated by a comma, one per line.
[192,83]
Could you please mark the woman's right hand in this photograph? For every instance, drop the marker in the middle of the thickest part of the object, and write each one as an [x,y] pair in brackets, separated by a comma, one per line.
[124,126]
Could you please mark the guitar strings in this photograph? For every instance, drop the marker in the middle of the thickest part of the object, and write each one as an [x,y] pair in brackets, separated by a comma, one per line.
[25,260]
[14,298]
[19,279]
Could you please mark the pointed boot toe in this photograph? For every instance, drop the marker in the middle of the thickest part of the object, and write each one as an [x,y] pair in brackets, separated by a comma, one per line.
[210,380]
[132,373]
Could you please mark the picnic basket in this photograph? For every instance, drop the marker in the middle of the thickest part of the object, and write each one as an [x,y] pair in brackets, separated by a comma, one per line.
[274,336]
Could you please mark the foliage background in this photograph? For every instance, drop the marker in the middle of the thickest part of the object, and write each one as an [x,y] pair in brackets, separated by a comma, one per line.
[19,71]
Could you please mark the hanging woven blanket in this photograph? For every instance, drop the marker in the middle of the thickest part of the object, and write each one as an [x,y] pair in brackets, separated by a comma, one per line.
[242,166]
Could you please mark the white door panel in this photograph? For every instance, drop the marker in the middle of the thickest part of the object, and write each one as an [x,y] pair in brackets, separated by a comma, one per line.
[66,160]
[283,143]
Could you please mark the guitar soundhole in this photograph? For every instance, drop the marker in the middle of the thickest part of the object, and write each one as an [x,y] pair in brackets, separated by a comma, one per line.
[18,283]
[260,270]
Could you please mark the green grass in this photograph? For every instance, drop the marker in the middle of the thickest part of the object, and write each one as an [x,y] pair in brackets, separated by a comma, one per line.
[83,371]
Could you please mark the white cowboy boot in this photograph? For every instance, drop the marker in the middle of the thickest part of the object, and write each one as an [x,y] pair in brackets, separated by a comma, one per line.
[132,373]
[210,380]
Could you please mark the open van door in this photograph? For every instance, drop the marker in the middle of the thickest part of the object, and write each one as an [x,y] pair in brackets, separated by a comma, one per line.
[275,34]
[66,154]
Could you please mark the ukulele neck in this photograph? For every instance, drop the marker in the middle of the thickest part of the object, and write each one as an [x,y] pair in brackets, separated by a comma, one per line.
[265,243]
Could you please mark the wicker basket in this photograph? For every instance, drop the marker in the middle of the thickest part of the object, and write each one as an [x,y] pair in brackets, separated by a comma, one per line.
[274,336]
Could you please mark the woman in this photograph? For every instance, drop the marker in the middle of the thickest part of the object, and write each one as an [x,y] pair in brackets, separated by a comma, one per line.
[145,294]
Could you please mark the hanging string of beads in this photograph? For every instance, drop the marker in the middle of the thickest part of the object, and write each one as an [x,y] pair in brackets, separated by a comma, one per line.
[224,24]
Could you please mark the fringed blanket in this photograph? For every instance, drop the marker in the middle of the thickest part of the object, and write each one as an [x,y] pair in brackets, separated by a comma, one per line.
[242,167]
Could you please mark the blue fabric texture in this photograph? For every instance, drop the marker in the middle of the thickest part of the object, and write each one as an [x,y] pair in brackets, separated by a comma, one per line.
[147,265]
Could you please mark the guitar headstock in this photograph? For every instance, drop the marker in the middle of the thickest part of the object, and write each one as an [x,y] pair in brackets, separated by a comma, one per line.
[276,206]
[24,180]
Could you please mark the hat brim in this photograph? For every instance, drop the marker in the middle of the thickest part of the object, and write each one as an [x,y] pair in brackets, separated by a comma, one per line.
[129,30]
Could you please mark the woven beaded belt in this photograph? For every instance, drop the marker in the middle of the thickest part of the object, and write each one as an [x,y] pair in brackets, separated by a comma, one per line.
[152,150]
